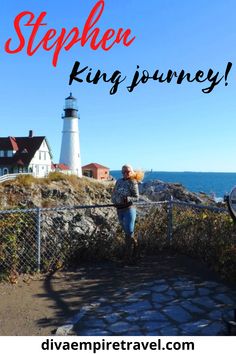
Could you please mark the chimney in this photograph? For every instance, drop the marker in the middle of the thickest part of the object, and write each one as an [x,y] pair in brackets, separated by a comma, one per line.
[31,133]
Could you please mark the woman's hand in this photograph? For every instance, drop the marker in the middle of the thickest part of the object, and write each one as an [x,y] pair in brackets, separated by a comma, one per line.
[125,200]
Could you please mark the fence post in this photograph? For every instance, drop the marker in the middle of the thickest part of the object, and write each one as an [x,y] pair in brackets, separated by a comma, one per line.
[170,220]
[38,239]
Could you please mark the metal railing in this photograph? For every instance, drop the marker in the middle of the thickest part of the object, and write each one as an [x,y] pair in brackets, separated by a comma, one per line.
[41,239]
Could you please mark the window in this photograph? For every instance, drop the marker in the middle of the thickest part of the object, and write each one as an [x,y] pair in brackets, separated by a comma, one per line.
[88,173]
[39,155]
[1,153]
[9,153]
[45,155]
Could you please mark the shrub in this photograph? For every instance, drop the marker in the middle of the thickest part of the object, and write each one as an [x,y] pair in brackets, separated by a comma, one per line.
[17,246]
[151,230]
[202,234]
[56,176]
[205,235]
[25,180]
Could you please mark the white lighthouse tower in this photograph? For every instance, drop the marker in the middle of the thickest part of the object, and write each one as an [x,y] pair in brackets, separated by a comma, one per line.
[70,146]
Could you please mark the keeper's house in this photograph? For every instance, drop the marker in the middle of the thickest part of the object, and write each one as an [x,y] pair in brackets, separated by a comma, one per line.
[29,154]
[97,171]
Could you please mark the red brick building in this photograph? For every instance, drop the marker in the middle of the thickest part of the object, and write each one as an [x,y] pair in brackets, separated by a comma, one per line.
[94,170]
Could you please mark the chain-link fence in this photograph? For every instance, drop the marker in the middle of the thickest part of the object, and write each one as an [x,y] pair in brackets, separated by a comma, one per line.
[19,245]
[187,227]
[205,233]
[43,239]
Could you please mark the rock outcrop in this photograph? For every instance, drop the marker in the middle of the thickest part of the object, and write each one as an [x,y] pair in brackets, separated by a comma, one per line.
[71,191]
[156,190]
[50,193]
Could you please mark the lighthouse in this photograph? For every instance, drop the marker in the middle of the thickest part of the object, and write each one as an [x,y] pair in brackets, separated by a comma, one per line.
[70,146]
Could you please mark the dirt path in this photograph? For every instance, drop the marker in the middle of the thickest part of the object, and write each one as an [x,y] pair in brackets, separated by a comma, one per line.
[25,309]
[38,306]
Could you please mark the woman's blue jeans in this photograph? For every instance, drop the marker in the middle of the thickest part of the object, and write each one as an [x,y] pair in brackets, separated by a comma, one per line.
[127,219]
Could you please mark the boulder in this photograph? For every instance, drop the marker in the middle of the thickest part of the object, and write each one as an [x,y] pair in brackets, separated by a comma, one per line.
[156,190]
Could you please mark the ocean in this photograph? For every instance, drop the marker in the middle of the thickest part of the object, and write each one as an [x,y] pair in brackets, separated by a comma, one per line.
[211,183]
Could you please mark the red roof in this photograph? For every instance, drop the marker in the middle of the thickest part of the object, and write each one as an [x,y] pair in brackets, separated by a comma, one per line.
[61,166]
[25,148]
[94,165]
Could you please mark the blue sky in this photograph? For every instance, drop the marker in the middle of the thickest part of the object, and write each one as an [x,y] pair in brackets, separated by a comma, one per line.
[159,126]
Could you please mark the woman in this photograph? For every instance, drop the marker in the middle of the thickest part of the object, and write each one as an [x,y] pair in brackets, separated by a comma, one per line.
[124,194]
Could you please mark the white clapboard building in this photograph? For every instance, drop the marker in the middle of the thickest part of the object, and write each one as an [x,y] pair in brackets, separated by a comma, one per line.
[29,154]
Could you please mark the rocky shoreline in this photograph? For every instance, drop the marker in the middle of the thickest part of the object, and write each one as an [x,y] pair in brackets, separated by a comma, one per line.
[156,190]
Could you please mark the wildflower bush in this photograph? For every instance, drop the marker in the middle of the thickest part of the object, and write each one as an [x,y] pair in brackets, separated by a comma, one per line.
[151,229]
[205,235]
[17,246]
[202,234]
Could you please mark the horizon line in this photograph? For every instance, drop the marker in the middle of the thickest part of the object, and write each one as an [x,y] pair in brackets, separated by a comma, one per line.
[151,171]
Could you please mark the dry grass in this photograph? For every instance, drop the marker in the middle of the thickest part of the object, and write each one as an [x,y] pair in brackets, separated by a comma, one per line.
[55,190]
